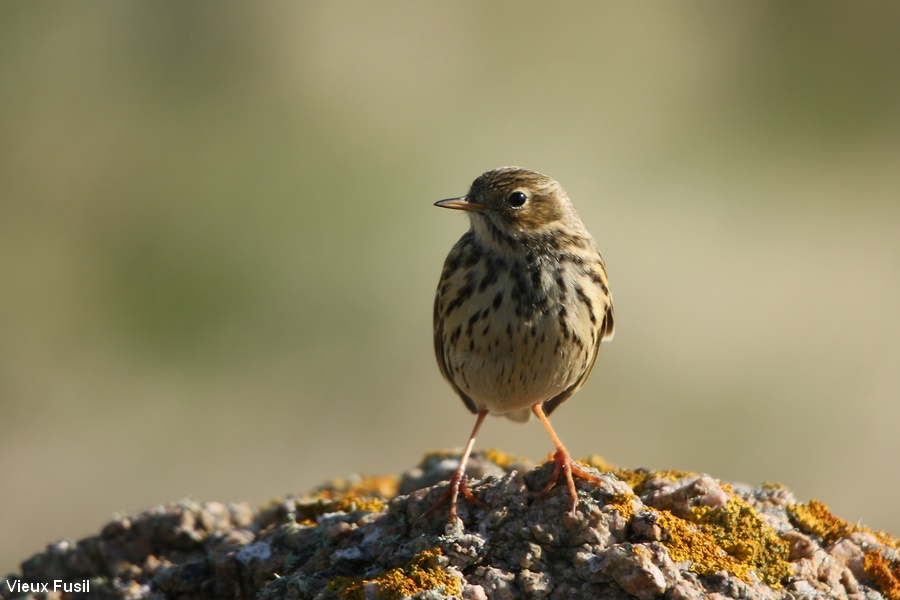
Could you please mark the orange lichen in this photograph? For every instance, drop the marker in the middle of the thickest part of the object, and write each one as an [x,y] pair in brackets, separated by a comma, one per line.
[815,518]
[886,573]
[422,573]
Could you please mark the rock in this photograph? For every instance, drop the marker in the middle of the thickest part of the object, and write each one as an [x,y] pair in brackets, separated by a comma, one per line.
[638,534]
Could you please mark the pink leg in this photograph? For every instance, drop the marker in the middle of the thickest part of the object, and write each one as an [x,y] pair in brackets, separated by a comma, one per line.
[458,481]
[563,462]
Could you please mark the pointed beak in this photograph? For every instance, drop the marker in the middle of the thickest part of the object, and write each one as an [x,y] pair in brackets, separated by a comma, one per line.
[461,203]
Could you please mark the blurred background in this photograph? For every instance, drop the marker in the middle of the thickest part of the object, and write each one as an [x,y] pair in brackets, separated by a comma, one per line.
[218,250]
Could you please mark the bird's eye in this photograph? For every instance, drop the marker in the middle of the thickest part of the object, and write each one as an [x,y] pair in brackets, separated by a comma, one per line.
[517,199]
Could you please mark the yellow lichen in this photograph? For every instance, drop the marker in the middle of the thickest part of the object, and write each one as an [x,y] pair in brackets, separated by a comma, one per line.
[739,530]
[731,538]
[384,487]
[815,518]
[494,455]
[441,454]
[635,478]
[500,458]
[624,503]
[687,543]
[368,493]
[772,485]
[422,573]
[885,573]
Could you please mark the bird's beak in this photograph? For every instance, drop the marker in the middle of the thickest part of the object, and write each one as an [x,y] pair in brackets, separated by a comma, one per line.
[461,203]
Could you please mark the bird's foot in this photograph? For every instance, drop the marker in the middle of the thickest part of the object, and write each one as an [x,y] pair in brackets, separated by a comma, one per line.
[564,463]
[451,494]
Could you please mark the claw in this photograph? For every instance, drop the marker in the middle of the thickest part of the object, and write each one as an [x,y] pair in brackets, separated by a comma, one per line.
[563,462]
[451,494]
[458,481]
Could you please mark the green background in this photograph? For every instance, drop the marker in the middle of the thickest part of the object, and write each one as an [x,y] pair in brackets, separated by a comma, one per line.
[218,250]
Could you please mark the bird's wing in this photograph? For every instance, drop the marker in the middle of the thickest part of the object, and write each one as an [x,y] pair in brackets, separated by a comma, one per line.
[439,342]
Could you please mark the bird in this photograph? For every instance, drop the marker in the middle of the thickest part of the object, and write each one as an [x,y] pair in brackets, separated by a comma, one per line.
[521,308]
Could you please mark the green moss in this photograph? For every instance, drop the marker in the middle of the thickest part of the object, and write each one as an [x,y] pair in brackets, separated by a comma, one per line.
[422,573]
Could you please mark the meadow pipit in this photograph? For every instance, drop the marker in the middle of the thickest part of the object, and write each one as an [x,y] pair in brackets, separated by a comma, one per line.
[521,308]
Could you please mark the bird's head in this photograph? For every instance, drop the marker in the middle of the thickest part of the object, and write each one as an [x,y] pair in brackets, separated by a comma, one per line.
[516,201]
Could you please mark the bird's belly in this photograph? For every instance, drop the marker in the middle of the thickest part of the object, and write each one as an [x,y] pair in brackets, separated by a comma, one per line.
[518,363]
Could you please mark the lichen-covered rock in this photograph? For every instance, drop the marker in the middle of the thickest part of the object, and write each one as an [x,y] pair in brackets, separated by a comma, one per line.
[638,534]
